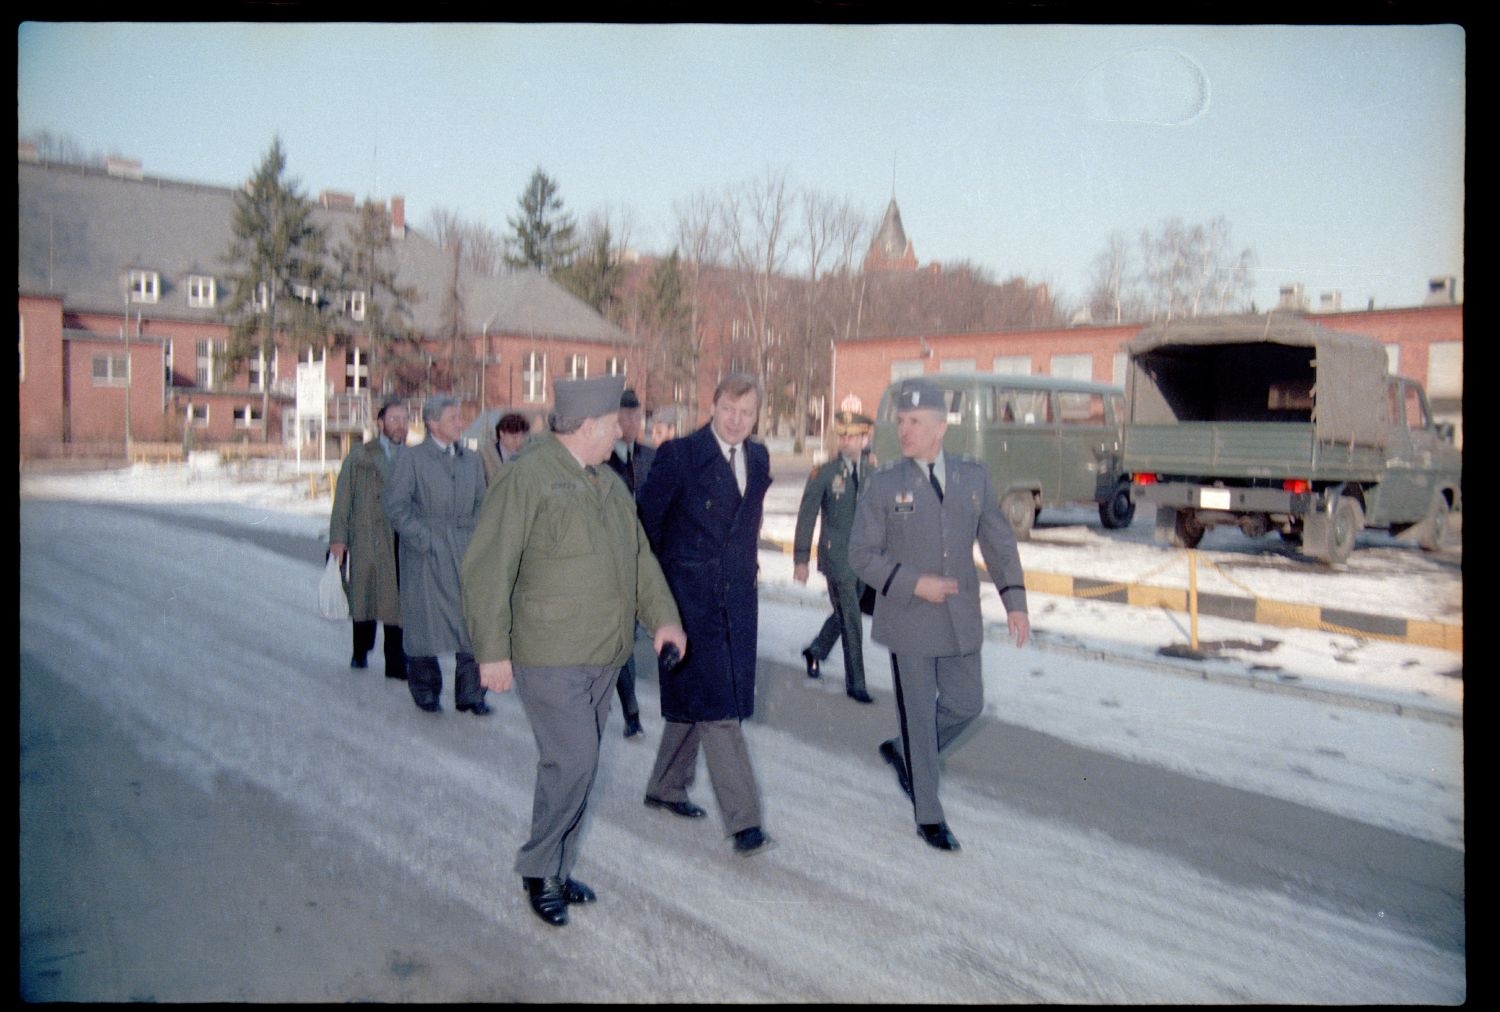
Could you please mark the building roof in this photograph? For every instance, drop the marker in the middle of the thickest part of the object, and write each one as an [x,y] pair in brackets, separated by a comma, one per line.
[81,230]
[890,238]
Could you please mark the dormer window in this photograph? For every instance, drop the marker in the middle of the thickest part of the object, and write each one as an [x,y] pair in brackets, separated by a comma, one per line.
[306,293]
[145,286]
[201,291]
[354,305]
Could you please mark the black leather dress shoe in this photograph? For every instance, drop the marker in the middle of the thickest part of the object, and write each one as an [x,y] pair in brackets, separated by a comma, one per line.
[398,675]
[548,899]
[892,755]
[937,834]
[359,662]
[632,726]
[575,891]
[686,809]
[752,841]
[478,709]
[813,668]
[859,696]
[431,706]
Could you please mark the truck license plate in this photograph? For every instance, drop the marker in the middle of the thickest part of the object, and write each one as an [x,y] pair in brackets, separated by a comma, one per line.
[1213,498]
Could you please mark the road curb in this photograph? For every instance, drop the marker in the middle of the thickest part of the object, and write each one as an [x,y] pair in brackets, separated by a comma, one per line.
[1258,610]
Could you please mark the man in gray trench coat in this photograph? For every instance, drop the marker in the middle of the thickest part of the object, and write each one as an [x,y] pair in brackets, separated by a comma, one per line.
[432,500]
[359,532]
[913,541]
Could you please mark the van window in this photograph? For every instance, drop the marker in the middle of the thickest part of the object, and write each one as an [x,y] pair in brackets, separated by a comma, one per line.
[1080,408]
[1023,407]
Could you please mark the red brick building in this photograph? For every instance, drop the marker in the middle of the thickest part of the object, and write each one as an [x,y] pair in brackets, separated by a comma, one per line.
[121,285]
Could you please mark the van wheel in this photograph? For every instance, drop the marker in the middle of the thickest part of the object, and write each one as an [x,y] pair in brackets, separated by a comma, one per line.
[1435,524]
[1020,509]
[1119,509]
[1348,521]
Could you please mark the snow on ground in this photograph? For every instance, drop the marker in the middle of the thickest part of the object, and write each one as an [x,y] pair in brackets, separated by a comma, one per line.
[1093,674]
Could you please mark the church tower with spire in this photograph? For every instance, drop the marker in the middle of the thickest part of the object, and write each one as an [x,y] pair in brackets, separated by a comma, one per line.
[891,250]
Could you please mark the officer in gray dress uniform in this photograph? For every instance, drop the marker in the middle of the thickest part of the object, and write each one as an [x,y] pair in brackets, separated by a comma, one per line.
[913,541]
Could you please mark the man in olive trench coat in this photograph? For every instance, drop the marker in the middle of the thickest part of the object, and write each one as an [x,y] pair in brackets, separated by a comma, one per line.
[359,532]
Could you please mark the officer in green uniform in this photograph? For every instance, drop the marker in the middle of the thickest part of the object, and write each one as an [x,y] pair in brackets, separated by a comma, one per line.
[556,575]
[830,493]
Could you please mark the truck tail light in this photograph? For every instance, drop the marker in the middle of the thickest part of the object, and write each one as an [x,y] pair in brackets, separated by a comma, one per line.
[1296,485]
[1144,479]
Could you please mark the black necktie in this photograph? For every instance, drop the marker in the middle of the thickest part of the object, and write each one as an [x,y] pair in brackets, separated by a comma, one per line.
[932,477]
[854,477]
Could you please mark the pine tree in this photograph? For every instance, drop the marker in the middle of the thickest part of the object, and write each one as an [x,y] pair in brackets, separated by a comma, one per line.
[278,272]
[543,235]
[367,273]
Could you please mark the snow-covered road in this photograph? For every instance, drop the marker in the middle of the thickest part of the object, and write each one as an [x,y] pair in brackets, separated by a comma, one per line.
[1205,868]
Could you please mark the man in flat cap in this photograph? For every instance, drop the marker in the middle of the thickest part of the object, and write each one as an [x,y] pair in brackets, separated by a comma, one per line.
[555,579]
[913,540]
[831,492]
[631,460]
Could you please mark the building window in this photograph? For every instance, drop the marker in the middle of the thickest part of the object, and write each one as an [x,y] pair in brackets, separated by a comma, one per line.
[576,367]
[1393,359]
[905,368]
[256,368]
[111,370]
[145,286]
[166,363]
[205,374]
[197,414]
[201,291]
[614,366]
[1079,367]
[306,293]
[534,377]
[262,299]
[248,416]
[356,370]
[1012,365]
[354,305]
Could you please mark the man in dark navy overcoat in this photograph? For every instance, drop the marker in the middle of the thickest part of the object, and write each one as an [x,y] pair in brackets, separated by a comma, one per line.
[701,508]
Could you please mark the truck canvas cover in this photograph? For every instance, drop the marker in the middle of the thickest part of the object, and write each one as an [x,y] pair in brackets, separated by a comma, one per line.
[1273,368]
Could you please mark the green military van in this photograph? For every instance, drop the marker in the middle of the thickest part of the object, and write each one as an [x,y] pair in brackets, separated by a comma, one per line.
[1046,441]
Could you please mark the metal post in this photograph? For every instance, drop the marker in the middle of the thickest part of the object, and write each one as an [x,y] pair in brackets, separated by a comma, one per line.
[1193,597]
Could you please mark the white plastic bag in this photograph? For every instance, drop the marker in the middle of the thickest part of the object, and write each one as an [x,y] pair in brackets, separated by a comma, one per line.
[332,601]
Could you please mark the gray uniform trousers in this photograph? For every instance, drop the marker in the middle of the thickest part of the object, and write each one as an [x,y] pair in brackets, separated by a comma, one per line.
[567,708]
[729,770]
[937,698]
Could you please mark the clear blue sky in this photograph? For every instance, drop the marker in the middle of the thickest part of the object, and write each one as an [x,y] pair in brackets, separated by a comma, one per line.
[1335,153]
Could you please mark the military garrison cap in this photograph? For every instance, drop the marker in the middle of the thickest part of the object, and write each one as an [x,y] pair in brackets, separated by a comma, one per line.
[919,393]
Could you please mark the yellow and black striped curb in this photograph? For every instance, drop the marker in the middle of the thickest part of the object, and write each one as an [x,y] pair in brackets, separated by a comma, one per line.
[1286,614]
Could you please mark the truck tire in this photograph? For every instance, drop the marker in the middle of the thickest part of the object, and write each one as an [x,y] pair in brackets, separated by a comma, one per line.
[1187,529]
[1435,524]
[1118,510]
[1020,509]
[1348,521]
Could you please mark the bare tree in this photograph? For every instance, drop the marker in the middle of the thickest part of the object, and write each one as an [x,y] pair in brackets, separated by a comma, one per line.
[701,246]
[755,216]
[1189,269]
[1110,295]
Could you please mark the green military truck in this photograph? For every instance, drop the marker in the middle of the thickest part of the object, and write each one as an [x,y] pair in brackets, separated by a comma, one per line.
[1046,441]
[1273,423]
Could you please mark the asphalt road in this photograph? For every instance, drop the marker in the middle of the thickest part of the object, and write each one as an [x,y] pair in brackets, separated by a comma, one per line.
[153,868]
